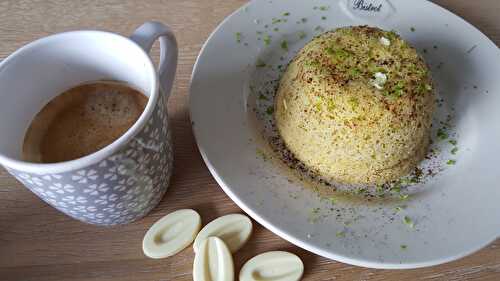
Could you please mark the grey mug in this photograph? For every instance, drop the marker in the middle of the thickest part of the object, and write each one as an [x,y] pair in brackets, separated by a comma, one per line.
[123,181]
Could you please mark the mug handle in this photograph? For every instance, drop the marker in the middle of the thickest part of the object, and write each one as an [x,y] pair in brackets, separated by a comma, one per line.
[145,36]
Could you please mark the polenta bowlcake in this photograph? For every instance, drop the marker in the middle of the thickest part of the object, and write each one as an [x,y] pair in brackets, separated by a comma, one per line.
[355,106]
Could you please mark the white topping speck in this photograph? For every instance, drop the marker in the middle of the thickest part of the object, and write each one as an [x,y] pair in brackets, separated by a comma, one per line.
[379,80]
[384,41]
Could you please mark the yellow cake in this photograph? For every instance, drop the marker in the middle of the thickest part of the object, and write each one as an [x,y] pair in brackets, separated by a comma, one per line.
[355,106]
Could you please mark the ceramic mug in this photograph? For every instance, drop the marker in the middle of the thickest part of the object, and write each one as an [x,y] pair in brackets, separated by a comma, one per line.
[123,181]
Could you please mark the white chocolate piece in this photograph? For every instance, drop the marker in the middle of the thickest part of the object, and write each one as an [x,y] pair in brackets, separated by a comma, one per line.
[272,266]
[233,229]
[213,261]
[171,234]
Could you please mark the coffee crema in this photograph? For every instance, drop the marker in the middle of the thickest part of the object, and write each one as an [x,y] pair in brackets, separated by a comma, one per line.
[82,120]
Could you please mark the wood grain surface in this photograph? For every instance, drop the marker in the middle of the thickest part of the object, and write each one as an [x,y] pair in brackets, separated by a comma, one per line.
[38,243]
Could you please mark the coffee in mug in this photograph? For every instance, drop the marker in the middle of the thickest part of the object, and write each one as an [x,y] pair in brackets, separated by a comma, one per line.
[82,120]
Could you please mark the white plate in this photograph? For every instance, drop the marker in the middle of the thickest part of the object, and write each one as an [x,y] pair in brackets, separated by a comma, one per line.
[454,213]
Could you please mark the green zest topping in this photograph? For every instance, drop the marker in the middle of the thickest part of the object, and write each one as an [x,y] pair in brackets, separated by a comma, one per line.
[275,21]
[302,35]
[270,110]
[404,196]
[392,35]
[261,154]
[354,72]
[454,150]
[286,14]
[399,208]
[451,162]
[267,39]
[303,20]
[324,8]
[262,97]
[408,221]
[453,142]
[396,188]
[238,37]
[441,134]
[403,247]
[284,45]
[340,234]
[398,89]
[354,102]
[323,18]
[260,63]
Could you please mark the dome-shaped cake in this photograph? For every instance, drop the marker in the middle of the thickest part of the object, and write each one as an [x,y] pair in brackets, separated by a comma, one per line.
[355,106]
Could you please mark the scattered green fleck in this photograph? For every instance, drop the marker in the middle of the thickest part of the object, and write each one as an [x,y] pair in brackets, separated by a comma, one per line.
[354,71]
[324,8]
[396,188]
[332,200]
[267,39]
[323,18]
[354,102]
[302,35]
[392,35]
[286,14]
[303,19]
[398,89]
[284,45]
[276,29]
[266,25]
[412,29]
[408,221]
[330,104]
[403,247]
[261,154]
[260,63]
[454,150]
[270,110]
[360,191]
[379,189]
[451,162]
[275,21]
[318,28]
[404,196]
[314,63]
[399,208]
[238,37]
[453,142]
[262,97]
[259,32]
[340,234]
[315,210]
[441,134]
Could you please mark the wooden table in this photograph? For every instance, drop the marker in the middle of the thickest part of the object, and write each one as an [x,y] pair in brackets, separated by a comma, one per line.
[38,243]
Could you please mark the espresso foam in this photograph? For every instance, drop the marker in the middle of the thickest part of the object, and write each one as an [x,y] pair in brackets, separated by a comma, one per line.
[81,121]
